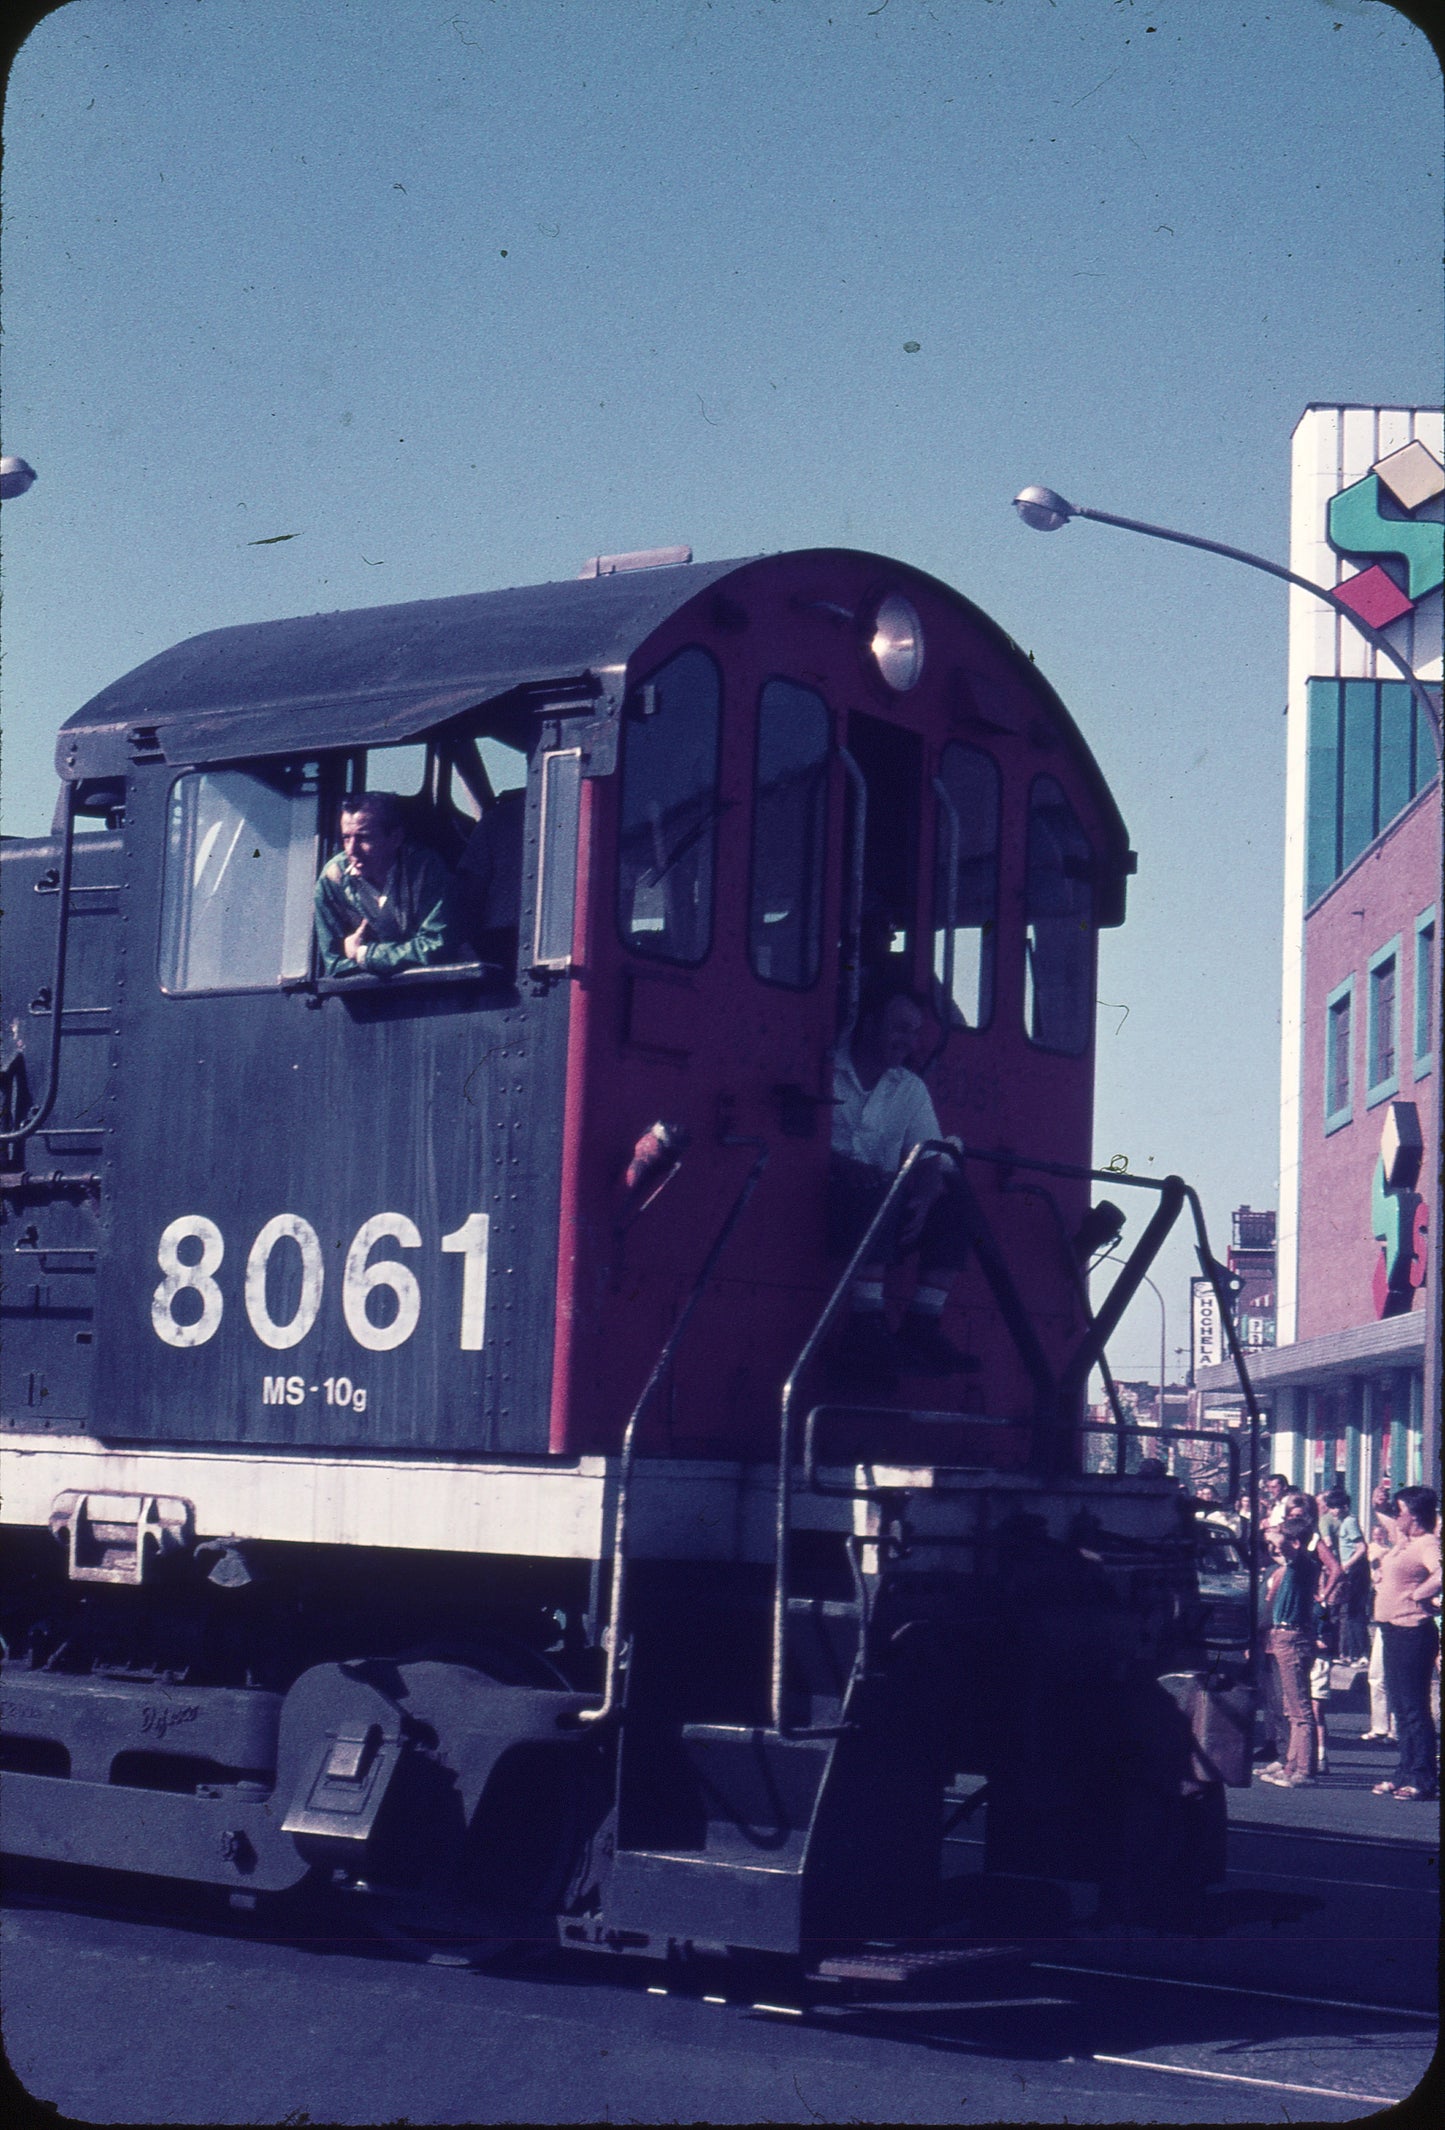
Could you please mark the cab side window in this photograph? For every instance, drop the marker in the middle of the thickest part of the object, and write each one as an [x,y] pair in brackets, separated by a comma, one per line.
[669,807]
[238,880]
[790,825]
[1059,914]
[967,903]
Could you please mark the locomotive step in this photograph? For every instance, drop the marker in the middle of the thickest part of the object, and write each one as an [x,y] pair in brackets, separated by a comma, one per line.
[901,1965]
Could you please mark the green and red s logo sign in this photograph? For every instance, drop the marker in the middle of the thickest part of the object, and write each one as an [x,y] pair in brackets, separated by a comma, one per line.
[1357,525]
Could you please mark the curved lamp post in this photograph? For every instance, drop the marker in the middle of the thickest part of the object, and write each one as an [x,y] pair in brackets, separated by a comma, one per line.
[1045,510]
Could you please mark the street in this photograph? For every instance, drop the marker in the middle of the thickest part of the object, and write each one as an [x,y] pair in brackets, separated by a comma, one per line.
[1310,1994]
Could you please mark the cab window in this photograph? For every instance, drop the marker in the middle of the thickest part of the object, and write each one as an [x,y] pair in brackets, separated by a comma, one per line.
[669,808]
[790,822]
[889,759]
[239,874]
[402,770]
[966,828]
[1059,914]
[487,793]
[425,780]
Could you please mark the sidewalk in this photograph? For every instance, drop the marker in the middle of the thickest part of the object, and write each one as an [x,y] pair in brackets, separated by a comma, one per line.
[1342,1803]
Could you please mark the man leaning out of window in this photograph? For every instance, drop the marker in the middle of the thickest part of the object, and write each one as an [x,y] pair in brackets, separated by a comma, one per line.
[382,903]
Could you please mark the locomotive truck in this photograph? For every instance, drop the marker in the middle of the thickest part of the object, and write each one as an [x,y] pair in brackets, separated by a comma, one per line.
[426,1466]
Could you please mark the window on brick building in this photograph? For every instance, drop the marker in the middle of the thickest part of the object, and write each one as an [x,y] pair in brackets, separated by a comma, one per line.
[1383,1033]
[1425,1007]
[1339,1033]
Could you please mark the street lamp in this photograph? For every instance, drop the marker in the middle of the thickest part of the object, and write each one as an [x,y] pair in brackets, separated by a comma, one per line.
[15,477]
[1045,510]
[1163,1353]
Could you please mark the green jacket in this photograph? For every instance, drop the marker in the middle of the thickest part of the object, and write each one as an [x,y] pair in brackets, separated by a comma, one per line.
[412,919]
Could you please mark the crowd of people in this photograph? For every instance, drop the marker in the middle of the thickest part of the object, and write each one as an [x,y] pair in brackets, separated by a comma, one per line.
[1332,1595]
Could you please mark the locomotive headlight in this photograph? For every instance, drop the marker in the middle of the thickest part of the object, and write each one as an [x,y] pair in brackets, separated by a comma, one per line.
[897,643]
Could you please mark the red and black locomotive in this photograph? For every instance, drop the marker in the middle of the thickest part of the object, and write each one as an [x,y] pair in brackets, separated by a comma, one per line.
[426,1466]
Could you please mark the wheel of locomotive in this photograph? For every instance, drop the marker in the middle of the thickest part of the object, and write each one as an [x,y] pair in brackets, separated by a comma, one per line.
[479,1843]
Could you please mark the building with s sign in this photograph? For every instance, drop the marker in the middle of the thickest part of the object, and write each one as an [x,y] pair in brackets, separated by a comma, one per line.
[1359,1107]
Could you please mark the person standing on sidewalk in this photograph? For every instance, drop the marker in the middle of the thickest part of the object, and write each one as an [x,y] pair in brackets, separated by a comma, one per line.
[1352,1598]
[1271,1501]
[1409,1582]
[1305,1577]
[1382,1536]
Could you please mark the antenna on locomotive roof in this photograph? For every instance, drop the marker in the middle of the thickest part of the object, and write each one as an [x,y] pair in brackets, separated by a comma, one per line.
[642,558]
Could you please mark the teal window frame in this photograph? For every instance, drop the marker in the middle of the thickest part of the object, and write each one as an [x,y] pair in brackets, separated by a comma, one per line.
[1343,996]
[1382,1066]
[1424,1005]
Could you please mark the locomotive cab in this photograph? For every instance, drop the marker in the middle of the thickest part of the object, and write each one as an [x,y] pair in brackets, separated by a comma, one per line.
[468,1296]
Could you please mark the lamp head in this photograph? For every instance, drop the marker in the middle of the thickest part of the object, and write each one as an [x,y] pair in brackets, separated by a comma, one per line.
[1099,1229]
[1043,508]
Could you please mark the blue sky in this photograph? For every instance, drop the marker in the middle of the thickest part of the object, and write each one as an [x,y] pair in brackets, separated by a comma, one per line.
[459,294]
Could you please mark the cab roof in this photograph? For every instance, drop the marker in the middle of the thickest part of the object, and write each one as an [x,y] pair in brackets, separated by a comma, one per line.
[370,676]
[379,676]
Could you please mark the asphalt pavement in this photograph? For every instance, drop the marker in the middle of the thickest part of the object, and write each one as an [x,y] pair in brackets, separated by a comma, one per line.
[1342,1800]
[1308,1992]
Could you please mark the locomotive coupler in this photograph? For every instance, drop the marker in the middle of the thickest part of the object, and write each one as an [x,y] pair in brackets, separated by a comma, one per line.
[110,1538]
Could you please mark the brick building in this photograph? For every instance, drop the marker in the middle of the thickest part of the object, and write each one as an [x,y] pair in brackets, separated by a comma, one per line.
[1359,1116]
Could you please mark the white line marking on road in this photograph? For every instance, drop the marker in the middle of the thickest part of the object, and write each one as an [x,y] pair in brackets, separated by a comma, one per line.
[1237,2078]
[654,1991]
[783,2011]
[714,2000]
[1236,1989]
[1424,1893]
[935,2004]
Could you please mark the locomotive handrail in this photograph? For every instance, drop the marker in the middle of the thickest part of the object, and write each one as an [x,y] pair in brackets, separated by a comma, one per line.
[1212,1271]
[1001,1285]
[46,1103]
[606,1708]
[1173,1194]
[1080,1283]
[853,908]
[1125,1287]
[1181,1434]
[783,1515]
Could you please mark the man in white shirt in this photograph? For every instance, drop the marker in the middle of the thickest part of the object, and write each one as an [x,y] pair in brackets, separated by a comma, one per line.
[881,1111]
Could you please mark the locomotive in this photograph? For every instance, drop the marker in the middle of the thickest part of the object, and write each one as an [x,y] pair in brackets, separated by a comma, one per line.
[427,1469]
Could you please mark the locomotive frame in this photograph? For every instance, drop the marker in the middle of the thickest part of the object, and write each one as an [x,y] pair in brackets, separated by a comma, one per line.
[409,1477]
